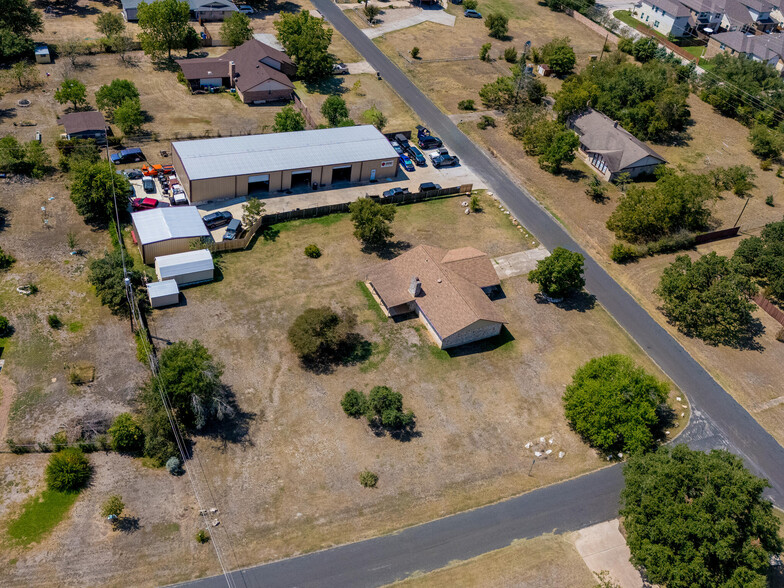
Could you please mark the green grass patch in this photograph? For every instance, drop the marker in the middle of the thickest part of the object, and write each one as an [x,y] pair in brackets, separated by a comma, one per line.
[324,221]
[372,305]
[439,354]
[75,327]
[165,530]
[26,400]
[379,353]
[626,17]
[696,50]
[40,514]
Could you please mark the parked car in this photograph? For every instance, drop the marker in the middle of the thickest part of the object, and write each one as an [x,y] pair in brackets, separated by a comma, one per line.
[445,160]
[402,141]
[428,186]
[245,9]
[398,149]
[148,185]
[152,170]
[217,219]
[395,192]
[178,198]
[406,162]
[470,13]
[133,174]
[127,156]
[233,229]
[144,203]
[416,155]
[340,69]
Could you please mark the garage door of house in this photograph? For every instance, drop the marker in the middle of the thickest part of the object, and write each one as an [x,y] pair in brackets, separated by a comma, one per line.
[258,184]
[341,173]
[301,178]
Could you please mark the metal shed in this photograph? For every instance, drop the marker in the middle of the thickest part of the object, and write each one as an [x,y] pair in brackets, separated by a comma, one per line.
[42,54]
[163,293]
[191,267]
[167,230]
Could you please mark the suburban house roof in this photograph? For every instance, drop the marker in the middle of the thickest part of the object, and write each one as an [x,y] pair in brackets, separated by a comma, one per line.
[170,222]
[765,47]
[671,7]
[452,282]
[162,288]
[79,122]
[195,5]
[236,156]
[736,13]
[249,68]
[177,264]
[617,146]
[757,5]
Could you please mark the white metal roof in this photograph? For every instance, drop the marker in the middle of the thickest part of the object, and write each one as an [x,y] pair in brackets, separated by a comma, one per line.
[256,154]
[170,222]
[164,288]
[178,264]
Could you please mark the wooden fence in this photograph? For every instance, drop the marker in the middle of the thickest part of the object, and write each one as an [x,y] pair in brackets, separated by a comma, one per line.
[305,112]
[770,308]
[316,211]
[716,235]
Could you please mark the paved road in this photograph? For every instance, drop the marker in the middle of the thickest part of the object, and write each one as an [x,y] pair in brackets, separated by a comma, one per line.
[718,420]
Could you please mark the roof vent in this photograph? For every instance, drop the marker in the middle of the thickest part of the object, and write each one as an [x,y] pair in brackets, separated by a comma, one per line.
[415,288]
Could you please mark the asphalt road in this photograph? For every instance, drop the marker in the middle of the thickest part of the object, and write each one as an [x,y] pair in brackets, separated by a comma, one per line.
[718,420]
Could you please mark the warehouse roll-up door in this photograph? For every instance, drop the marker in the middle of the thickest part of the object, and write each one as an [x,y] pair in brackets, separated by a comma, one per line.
[341,173]
[258,183]
[301,178]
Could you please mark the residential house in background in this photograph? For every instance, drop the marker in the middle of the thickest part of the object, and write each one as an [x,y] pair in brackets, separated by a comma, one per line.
[748,16]
[665,16]
[88,124]
[706,14]
[448,290]
[258,72]
[610,149]
[201,10]
[768,49]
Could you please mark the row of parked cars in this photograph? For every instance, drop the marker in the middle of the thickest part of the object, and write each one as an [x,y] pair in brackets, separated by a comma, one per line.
[220,218]
[410,155]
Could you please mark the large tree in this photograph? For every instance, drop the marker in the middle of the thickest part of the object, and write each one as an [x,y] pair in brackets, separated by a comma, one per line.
[110,24]
[72,91]
[164,25]
[497,25]
[129,117]
[559,274]
[306,39]
[334,110]
[697,520]
[235,30]
[707,298]
[94,188]
[321,334]
[18,21]
[371,221]
[287,120]
[108,277]
[559,55]
[110,96]
[615,405]
[762,258]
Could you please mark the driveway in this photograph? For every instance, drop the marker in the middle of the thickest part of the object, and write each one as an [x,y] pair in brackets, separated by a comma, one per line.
[438,16]
[517,264]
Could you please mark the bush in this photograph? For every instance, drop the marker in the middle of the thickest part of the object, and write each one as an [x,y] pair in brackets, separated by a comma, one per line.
[54,321]
[497,25]
[126,434]
[510,54]
[368,479]
[385,409]
[474,205]
[6,259]
[768,201]
[313,251]
[616,406]
[765,143]
[140,336]
[202,536]
[766,164]
[485,121]
[173,465]
[68,470]
[334,109]
[354,403]
[415,52]
[623,253]
[16,449]
[5,326]
[484,52]
[112,507]
[559,55]
[559,274]
[466,105]
[596,190]
[321,334]
[373,116]
[59,441]
[470,4]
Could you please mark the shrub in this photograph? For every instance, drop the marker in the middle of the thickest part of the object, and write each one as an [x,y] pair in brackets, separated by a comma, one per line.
[126,434]
[16,449]
[470,4]
[768,201]
[473,204]
[140,336]
[415,52]
[334,110]
[484,52]
[596,190]
[559,274]
[466,105]
[779,171]
[623,253]
[54,321]
[497,25]
[202,536]
[368,479]
[173,465]
[385,409]
[313,251]
[485,121]
[766,164]
[6,259]
[320,333]
[112,507]
[354,403]
[75,377]
[373,116]
[59,441]
[68,470]
[5,326]
[510,54]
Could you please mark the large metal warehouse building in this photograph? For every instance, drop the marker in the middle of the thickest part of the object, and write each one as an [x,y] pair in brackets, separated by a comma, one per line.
[211,169]
[167,230]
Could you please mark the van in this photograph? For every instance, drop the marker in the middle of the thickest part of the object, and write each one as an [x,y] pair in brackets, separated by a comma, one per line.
[233,229]
[148,185]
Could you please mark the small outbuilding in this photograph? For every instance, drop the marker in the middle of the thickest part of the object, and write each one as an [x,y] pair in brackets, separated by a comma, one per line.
[42,54]
[165,293]
[191,267]
[88,124]
[167,230]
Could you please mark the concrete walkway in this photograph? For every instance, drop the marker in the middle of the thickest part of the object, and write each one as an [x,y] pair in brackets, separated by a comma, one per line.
[436,16]
[602,547]
[517,264]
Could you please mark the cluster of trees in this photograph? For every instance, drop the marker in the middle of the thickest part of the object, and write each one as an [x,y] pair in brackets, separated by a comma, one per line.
[112,26]
[306,40]
[582,6]
[695,519]
[616,406]
[560,274]
[648,101]
[643,49]
[107,276]
[120,101]
[559,55]
[165,27]
[26,159]
[542,137]
[287,120]
[371,222]
[762,259]
[383,408]
[18,21]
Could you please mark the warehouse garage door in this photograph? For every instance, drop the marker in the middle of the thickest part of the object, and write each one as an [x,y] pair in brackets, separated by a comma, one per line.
[341,173]
[300,178]
[258,184]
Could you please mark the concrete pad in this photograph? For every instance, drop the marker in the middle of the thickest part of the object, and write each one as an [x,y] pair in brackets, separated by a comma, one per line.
[269,39]
[602,547]
[360,67]
[437,16]
[517,264]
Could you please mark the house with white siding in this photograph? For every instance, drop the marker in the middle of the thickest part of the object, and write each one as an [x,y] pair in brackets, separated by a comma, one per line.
[665,16]
[767,49]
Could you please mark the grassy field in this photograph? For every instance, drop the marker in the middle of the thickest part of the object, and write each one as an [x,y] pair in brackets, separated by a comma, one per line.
[39,516]
[549,561]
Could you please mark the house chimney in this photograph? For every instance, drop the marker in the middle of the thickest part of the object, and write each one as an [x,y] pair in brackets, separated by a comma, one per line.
[415,288]
[231,73]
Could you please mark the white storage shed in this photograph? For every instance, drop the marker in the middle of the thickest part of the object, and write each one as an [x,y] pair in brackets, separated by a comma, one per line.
[191,267]
[163,293]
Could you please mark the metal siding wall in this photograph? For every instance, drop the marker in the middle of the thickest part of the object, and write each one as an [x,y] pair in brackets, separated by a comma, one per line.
[214,189]
[192,277]
[181,175]
[153,250]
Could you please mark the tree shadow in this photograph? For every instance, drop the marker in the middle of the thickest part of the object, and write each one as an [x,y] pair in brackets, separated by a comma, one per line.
[328,85]
[742,340]
[65,9]
[354,349]
[483,346]
[127,524]
[580,301]
[166,64]
[666,419]
[404,435]
[234,428]
[572,174]
[389,250]
[4,224]
[8,113]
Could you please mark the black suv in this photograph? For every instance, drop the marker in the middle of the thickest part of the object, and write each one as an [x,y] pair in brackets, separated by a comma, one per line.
[217,219]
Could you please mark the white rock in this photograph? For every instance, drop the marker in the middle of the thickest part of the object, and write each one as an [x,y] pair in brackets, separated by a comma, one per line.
[561,454]
[467,211]
[541,439]
[215,523]
[528,445]
[620,455]
[667,433]
[683,414]
[678,398]
[684,405]
[537,453]
[213,510]
[548,452]
[550,441]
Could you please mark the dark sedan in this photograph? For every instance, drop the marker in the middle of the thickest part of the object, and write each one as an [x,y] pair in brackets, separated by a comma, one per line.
[217,219]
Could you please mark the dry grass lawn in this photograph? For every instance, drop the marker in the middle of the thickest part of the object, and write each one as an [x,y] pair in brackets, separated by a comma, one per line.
[549,561]
[286,481]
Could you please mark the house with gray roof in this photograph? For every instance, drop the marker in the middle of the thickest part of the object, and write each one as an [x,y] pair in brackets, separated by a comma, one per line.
[665,16]
[85,124]
[767,49]
[201,10]
[167,230]
[748,16]
[610,149]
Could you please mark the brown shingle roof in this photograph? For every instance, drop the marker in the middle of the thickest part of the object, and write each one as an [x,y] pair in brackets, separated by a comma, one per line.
[78,122]
[452,282]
